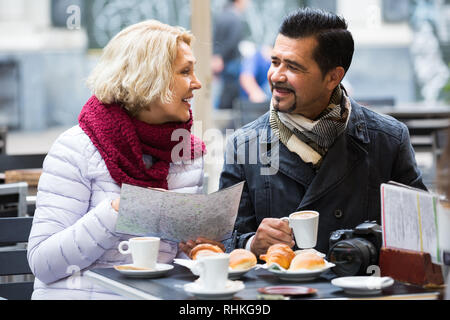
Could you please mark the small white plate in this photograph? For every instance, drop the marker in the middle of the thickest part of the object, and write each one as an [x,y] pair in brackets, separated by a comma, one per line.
[160,270]
[198,291]
[236,274]
[363,285]
[298,275]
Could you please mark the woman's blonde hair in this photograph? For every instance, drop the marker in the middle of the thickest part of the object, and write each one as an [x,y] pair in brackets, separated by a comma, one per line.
[136,66]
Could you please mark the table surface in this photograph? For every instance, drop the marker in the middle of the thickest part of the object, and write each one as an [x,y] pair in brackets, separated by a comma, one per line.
[170,286]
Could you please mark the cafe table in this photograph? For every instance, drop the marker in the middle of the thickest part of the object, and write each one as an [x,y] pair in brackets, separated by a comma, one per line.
[170,286]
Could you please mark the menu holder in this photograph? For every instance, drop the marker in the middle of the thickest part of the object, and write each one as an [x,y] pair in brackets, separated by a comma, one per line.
[415,220]
[410,266]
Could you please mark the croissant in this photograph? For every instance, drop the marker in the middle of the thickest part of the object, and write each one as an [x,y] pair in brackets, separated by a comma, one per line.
[241,259]
[279,253]
[307,260]
[204,249]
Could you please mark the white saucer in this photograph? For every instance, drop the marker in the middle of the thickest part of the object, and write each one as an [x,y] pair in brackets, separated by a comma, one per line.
[236,274]
[298,275]
[160,270]
[363,285]
[198,291]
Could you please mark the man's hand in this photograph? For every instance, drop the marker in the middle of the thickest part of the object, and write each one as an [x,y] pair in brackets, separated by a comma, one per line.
[189,245]
[271,231]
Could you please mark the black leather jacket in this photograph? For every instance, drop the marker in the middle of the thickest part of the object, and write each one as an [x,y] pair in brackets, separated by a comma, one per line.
[345,190]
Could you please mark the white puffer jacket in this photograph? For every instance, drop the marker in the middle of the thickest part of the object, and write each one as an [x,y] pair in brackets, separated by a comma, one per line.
[73,226]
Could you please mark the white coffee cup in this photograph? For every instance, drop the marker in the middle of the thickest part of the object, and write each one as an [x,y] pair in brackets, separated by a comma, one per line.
[305,225]
[143,250]
[213,271]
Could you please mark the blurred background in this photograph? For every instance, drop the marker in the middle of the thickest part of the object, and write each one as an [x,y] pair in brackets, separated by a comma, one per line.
[48,48]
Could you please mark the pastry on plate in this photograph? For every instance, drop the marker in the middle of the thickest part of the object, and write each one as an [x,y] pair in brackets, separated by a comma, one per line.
[204,249]
[308,261]
[279,253]
[241,259]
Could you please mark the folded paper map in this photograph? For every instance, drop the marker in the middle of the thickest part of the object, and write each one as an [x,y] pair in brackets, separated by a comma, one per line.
[178,216]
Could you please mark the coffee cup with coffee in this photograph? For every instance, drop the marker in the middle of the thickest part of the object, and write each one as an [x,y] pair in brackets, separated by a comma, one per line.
[305,225]
[143,250]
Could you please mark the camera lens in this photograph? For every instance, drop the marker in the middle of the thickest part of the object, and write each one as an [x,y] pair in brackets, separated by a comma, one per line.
[352,257]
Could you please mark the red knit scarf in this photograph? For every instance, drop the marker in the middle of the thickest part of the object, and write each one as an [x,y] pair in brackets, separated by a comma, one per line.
[122,141]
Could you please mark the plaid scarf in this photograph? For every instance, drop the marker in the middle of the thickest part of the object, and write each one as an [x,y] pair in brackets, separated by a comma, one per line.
[311,139]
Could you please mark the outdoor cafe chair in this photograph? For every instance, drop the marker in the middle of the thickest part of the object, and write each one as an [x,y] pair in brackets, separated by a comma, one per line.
[13,258]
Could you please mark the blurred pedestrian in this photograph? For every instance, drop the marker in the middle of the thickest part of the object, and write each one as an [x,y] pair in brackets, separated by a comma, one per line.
[253,78]
[229,29]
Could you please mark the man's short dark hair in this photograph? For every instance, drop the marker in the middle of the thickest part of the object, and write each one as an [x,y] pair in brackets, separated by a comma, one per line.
[335,43]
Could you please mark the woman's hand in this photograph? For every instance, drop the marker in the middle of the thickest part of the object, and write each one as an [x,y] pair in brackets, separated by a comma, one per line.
[189,245]
[115,204]
[158,189]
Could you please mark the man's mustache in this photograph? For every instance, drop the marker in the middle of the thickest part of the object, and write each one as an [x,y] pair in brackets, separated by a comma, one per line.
[282,86]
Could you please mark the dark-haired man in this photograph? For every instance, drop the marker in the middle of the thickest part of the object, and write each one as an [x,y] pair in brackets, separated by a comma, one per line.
[332,154]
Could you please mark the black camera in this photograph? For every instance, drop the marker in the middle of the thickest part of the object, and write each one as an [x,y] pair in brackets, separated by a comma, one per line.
[352,251]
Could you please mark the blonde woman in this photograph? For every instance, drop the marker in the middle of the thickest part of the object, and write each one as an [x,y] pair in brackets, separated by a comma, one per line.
[143,86]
